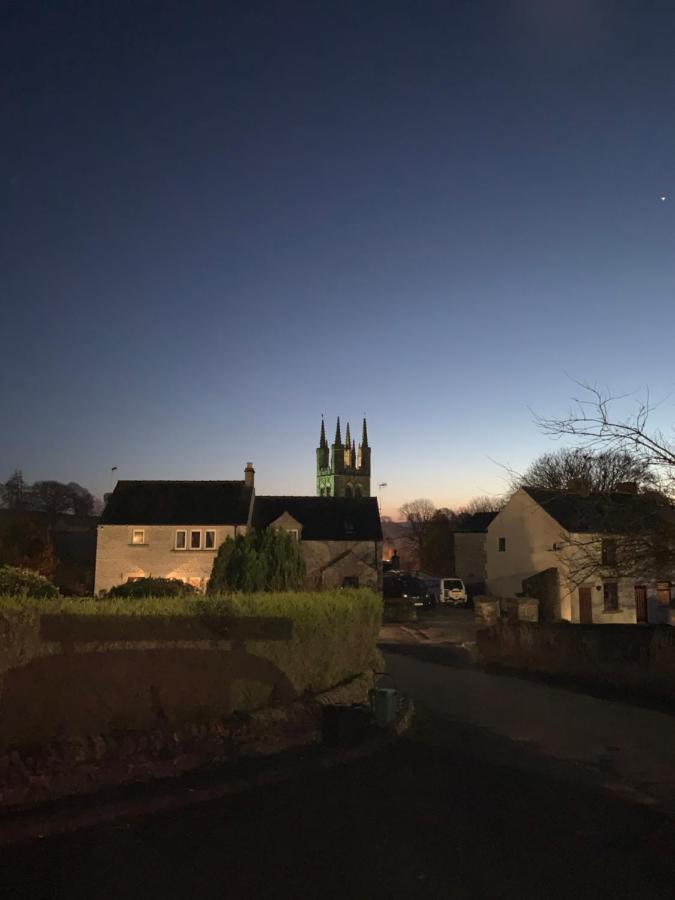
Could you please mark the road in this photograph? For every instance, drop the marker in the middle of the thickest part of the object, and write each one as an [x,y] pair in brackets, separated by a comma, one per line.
[504,788]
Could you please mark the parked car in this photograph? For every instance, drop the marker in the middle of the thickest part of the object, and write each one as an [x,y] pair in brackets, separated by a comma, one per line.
[399,586]
[452,591]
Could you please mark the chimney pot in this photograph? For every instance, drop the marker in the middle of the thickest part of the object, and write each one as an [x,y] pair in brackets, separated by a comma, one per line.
[249,475]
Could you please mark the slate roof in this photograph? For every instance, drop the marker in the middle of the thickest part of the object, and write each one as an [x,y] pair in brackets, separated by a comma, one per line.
[178,503]
[614,513]
[324,518]
[476,523]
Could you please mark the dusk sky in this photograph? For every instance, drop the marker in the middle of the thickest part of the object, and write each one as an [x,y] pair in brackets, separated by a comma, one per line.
[220,221]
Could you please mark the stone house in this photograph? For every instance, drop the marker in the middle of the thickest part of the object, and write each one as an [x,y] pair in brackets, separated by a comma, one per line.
[173,529]
[169,529]
[561,546]
[340,537]
[471,551]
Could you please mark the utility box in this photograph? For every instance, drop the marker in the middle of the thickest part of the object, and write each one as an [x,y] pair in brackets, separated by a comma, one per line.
[384,704]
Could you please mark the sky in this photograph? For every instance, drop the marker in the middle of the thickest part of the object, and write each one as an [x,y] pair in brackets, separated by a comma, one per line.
[220,221]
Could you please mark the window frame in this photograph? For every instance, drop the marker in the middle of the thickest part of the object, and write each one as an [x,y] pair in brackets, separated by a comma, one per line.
[134,532]
[613,605]
[660,589]
[608,552]
[182,531]
[207,532]
[198,532]
[501,545]
[294,533]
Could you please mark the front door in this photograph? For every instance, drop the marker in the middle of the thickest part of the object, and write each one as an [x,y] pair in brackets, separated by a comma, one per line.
[640,603]
[585,606]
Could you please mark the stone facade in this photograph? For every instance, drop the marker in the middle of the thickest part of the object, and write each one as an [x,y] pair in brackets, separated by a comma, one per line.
[119,559]
[471,557]
[337,563]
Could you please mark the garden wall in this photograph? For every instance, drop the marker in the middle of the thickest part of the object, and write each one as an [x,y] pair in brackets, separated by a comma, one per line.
[637,658]
[106,683]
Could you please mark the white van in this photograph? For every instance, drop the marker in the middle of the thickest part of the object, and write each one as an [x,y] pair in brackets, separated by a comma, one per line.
[452,591]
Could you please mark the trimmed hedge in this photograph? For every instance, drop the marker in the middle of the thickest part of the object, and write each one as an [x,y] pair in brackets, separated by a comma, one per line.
[15,582]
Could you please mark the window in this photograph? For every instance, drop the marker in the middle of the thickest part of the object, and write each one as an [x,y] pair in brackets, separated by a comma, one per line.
[195,540]
[349,528]
[349,491]
[350,581]
[608,552]
[502,545]
[294,533]
[358,492]
[209,540]
[181,540]
[610,594]
[663,596]
[138,536]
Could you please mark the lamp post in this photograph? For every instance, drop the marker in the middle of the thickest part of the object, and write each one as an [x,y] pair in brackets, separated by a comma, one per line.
[381,485]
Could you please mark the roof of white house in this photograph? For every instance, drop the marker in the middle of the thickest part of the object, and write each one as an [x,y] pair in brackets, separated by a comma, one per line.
[609,513]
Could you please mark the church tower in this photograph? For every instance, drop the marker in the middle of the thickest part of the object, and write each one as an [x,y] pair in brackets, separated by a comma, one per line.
[341,471]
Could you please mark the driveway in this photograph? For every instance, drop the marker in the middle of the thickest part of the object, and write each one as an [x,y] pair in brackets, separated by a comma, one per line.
[444,625]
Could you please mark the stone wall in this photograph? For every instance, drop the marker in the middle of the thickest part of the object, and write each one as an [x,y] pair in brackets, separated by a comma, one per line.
[329,563]
[638,659]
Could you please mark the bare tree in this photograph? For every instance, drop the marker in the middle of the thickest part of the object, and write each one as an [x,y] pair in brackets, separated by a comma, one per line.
[481,504]
[593,422]
[586,469]
[418,514]
[635,536]
[15,493]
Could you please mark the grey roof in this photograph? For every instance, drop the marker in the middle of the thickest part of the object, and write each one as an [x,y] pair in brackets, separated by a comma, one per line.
[324,518]
[475,523]
[178,503]
[609,513]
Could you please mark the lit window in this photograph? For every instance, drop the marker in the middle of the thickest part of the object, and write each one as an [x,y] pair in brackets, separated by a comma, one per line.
[209,540]
[610,594]
[138,536]
[663,597]
[181,540]
[502,545]
[195,540]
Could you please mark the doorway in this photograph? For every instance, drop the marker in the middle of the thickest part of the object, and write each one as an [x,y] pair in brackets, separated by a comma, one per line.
[585,606]
[640,603]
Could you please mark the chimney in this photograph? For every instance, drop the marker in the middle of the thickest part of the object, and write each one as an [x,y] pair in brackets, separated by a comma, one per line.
[249,475]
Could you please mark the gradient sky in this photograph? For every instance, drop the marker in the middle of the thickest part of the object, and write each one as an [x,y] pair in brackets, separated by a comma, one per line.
[220,220]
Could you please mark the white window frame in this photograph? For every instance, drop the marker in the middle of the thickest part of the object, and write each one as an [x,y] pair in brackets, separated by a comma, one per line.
[134,532]
[195,531]
[207,532]
[294,533]
[180,531]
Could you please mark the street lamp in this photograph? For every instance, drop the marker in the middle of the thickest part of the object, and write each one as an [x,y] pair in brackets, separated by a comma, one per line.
[381,485]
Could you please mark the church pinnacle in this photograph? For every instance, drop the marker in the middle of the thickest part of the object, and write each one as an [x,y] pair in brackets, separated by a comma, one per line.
[341,469]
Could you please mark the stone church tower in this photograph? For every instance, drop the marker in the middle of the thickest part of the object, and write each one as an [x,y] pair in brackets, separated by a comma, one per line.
[340,471]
